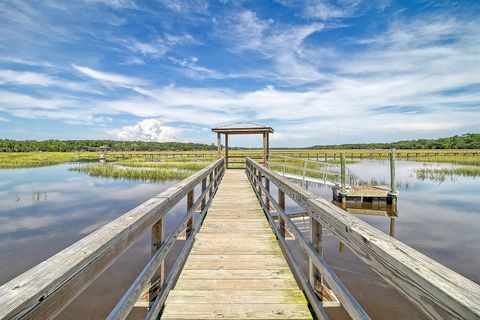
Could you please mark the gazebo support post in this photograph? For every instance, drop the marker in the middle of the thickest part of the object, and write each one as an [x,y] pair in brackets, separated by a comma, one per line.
[226,150]
[243,128]
[219,145]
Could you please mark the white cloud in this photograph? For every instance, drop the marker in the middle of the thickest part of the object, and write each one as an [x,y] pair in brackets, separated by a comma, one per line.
[187,6]
[325,11]
[4,119]
[147,130]
[111,78]
[117,4]
[28,78]
[25,77]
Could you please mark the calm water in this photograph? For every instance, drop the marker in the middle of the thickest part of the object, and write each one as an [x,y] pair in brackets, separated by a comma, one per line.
[441,220]
[43,210]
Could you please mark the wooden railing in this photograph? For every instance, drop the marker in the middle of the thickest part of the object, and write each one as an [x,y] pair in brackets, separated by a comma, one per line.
[436,290]
[46,289]
[303,168]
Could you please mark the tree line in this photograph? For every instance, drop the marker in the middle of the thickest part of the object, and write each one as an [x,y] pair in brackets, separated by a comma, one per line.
[464,141]
[7,145]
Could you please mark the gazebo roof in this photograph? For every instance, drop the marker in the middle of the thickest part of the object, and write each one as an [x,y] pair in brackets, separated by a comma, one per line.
[243,128]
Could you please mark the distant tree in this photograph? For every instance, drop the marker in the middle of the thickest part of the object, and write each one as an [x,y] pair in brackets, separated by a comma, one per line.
[464,141]
[7,145]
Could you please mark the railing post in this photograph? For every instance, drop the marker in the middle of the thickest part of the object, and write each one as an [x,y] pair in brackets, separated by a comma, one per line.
[158,237]
[316,234]
[259,175]
[204,187]
[210,181]
[267,187]
[190,197]
[281,203]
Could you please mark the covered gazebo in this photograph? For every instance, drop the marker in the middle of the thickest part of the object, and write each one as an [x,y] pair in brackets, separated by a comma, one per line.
[243,128]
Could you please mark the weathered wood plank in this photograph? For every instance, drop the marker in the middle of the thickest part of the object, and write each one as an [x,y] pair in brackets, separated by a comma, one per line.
[236,269]
[271,262]
[237,297]
[236,311]
[222,274]
[234,285]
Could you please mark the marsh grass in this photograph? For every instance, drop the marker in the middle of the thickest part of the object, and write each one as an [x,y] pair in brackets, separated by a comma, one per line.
[442,174]
[144,174]
[163,164]
[39,159]
[458,159]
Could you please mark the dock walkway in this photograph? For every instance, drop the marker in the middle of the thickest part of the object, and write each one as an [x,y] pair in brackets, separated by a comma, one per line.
[236,269]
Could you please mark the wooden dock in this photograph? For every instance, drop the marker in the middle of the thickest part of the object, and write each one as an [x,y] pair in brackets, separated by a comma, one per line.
[236,269]
[233,262]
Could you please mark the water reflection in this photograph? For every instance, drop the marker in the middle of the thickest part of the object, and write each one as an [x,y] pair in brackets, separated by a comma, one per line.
[43,210]
[378,208]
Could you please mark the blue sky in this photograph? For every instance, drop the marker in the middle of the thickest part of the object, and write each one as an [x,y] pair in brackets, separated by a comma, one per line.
[167,70]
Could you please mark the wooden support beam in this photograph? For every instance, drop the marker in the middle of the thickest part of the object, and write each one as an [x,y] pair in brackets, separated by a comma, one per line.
[267,186]
[264,148]
[158,237]
[226,149]
[343,178]
[212,185]
[204,187]
[316,239]
[219,145]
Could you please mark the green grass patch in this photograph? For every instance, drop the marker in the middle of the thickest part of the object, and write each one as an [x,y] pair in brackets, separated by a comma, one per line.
[39,159]
[163,164]
[153,174]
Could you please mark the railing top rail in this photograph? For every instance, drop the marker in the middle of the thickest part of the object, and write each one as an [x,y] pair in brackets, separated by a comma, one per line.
[323,163]
[437,290]
[334,173]
[43,291]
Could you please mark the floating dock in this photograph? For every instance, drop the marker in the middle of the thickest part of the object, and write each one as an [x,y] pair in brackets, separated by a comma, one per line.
[365,194]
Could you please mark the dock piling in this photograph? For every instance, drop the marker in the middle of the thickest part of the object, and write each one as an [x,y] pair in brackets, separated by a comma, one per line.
[343,178]
[392,195]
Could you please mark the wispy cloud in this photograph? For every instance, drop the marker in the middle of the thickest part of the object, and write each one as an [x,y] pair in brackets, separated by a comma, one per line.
[281,44]
[111,78]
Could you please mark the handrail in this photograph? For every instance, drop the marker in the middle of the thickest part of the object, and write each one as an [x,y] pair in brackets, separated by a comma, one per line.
[45,290]
[436,290]
[327,169]
[348,301]
[126,303]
